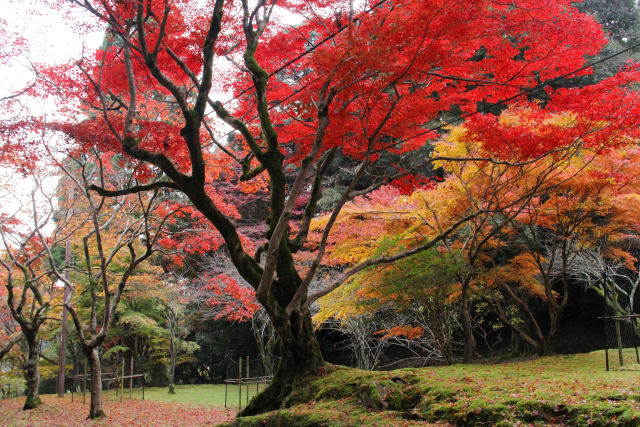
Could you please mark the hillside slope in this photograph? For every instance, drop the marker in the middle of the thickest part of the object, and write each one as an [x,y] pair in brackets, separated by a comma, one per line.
[556,390]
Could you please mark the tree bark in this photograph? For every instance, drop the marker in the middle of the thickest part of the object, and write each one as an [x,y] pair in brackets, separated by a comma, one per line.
[173,353]
[32,372]
[300,359]
[64,329]
[467,328]
[95,408]
[172,370]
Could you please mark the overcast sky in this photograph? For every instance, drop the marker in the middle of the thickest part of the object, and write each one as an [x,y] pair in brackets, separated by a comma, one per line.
[50,40]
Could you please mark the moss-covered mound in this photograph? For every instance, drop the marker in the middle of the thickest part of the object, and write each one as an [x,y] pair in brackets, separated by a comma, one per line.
[560,390]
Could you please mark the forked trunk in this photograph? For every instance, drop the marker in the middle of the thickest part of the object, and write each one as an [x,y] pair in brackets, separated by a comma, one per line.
[32,373]
[95,408]
[300,360]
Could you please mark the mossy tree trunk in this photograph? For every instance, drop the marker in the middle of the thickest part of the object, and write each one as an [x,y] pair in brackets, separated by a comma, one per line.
[300,360]
[32,371]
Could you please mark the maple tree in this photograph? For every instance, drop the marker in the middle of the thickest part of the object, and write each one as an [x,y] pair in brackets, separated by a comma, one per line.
[112,237]
[563,208]
[589,209]
[485,195]
[379,73]
[31,292]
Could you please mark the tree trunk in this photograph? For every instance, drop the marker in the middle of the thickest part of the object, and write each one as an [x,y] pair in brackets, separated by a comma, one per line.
[171,372]
[467,328]
[64,329]
[554,324]
[173,354]
[95,408]
[32,372]
[62,353]
[547,342]
[300,360]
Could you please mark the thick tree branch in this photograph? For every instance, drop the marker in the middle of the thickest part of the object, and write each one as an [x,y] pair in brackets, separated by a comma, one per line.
[134,189]
[282,225]
[13,340]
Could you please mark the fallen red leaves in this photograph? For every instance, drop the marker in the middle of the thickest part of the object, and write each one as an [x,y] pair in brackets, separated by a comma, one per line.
[62,412]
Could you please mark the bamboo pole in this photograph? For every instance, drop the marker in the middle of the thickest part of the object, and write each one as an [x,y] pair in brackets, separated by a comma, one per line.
[247,380]
[240,383]
[122,381]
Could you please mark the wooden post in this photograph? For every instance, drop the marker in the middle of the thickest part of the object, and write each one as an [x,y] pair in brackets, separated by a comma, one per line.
[226,386]
[122,381]
[84,383]
[142,387]
[617,311]
[247,380]
[131,378]
[240,383]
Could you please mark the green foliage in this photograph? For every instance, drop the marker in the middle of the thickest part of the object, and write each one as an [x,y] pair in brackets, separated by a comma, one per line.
[330,197]
[115,350]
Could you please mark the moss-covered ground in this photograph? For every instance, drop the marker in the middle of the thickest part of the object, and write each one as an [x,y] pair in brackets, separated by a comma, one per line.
[570,390]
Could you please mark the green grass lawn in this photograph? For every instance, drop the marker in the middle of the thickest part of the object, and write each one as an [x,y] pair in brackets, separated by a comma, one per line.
[197,394]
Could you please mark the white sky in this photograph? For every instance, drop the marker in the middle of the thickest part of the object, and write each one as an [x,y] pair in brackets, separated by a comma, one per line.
[50,39]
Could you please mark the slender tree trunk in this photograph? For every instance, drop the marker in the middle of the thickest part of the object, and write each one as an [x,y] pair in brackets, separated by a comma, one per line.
[95,408]
[547,343]
[467,328]
[172,321]
[32,372]
[172,371]
[64,329]
[62,353]
[300,359]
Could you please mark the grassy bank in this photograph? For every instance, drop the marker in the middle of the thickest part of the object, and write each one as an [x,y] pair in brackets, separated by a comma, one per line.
[556,390]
